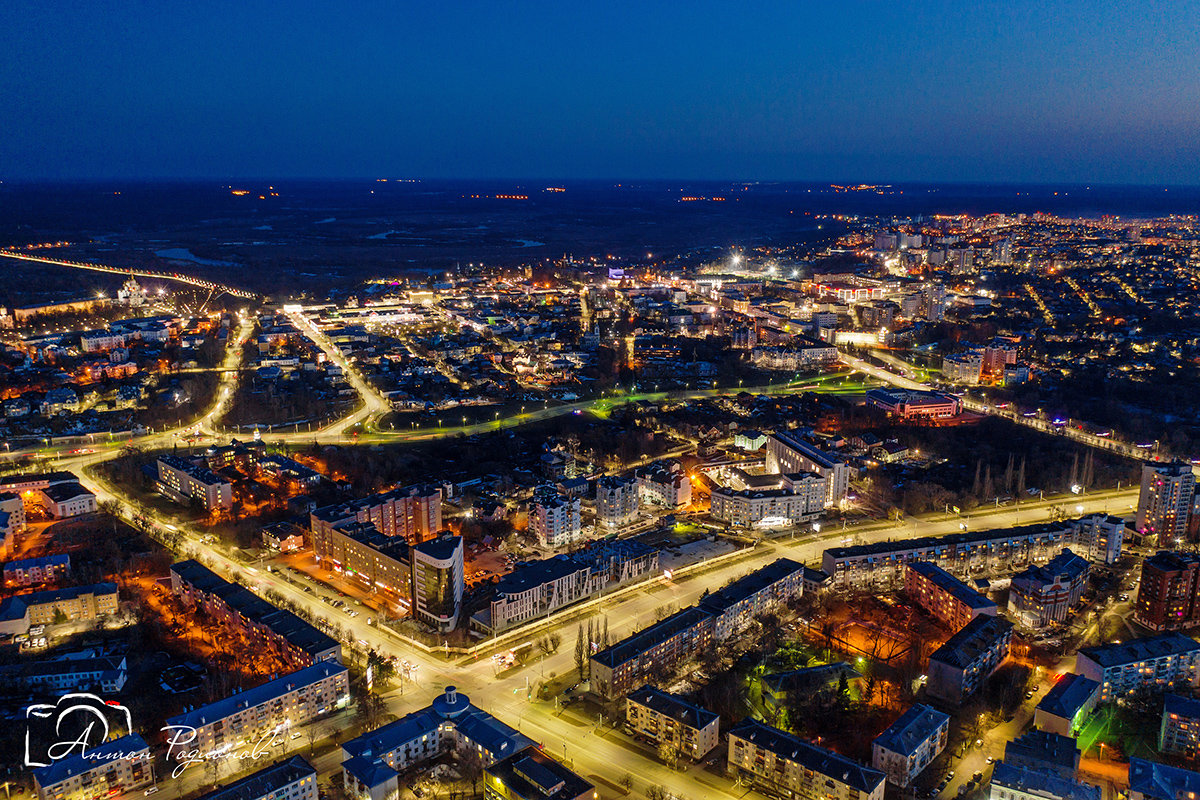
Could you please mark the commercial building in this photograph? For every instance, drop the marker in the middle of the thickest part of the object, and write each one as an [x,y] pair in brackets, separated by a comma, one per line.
[32,571]
[664,484]
[411,512]
[964,368]
[107,674]
[1179,729]
[1149,780]
[908,745]
[19,612]
[111,769]
[372,763]
[291,779]
[540,588]
[1098,537]
[555,518]
[185,482]
[533,775]
[662,717]
[361,553]
[944,596]
[782,765]
[1167,594]
[787,453]
[1011,782]
[1043,595]
[735,605]
[59,494]
[802,500]
[1066,707]
[1166,499]
[959,667]
[1165,661]
[290,701]
[437,581]
[915,404]
[64,500]
[618,669]
[616,501]
[258,619]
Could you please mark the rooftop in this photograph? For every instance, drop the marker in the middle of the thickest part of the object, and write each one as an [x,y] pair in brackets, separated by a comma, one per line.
[533,775]
[1165,644]
[948,583]
[205,715]
[914,727]
[265,781]
[673,706]
[1069,695]
[1047,747]
[97,757]
[634,645]
[810,756]
[1160,782]
[974,639]
[750,585]
[1042,782]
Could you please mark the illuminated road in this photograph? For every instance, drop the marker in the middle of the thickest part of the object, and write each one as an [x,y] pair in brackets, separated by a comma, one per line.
[143,273]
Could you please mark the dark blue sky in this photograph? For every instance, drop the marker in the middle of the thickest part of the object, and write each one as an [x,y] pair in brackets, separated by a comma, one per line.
[939,91]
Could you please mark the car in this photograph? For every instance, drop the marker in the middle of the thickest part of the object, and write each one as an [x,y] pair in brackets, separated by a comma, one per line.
[977,777]
[1029,695]
[979,742]
[991,759]
[150,791]
[296,735]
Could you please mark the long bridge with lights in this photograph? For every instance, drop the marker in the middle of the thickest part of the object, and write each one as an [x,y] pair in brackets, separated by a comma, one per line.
[141,273]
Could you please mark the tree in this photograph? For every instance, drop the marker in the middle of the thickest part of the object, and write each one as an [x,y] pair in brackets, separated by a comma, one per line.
[668,752]
[626,782]
[580,656]
[656,793]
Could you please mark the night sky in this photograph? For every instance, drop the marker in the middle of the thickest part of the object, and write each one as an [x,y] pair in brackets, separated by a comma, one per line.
[957,91]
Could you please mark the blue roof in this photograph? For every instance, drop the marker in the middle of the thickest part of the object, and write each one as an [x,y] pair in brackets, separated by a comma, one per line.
[60,560]
[250,698]
[947,582]
[74,765]
[1165,644]
[15,607]
[673,706]
[1069,695]
[1042,782]
[809,756]
[1159,782]
[265,781]
[749,585]
[914,727]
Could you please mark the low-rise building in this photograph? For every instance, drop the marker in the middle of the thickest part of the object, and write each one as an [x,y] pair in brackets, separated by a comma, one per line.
[619,669]
[944,596]
[807,681]
[1066,707]
[32,571]
[1149,780]
[111,769]
[782,765]
[1179,728]
[1044,750]
[291,779]
[64,500]
[910,743]
[19,612]
[914,404]
[1011,782]
[290,701]
[107,674]
[663,717]
[735,605]
[1165,661]
[533,775]
[1043,595]
[959,667]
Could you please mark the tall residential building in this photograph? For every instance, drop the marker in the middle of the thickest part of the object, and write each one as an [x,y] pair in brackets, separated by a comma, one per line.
[944,596]
[1165,503]
[664,483]
[437,581]
[785,766]
[787,453]
[411,512]
[1167,594]
[555,518]
[616,501]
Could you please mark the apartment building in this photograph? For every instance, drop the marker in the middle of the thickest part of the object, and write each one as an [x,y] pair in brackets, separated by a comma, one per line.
[258,619]
[908,745]
[555,518]
[533,775]
[1097,538]
[619,669]
[437,581]
[944,596]
[119,766]
[1044,595]
[19,612]
[32,571]
[616,501]
[1149,780]
[787,453]
[779,764]
[185,482]
[959,667]
[1012,782]
[361,553]
[1067,705]
[1165,661]
[664,484]
[662,717]
[735,605]
[372,763]
[1167,597]
[1166,499]
[802,501]
[244,718]
[1179,727]
[411,512]
[539,588]
[291,779]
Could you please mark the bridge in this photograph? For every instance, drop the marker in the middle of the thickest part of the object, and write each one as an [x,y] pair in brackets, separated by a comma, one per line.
[141,273]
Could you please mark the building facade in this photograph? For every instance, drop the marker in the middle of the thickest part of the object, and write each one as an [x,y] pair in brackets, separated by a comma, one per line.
[413,513]
[185,482]
[291,779]
[1165,661]
[782,765]
[788,454]
[616,501]
[1166,499]
[119,766]
[1044,595]
[944,596]
[662,717]
[959,667]
[555,518]
[437,581]
[1167,593]
[908,745]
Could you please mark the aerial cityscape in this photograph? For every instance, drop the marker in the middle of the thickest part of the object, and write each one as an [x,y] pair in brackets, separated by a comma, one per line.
[340,464]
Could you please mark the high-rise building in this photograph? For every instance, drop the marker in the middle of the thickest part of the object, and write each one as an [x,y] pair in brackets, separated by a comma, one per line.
[787,453]
[555,518]
[437,581]
[1167,594]
[616,501]
[1165,504]
[413,512]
